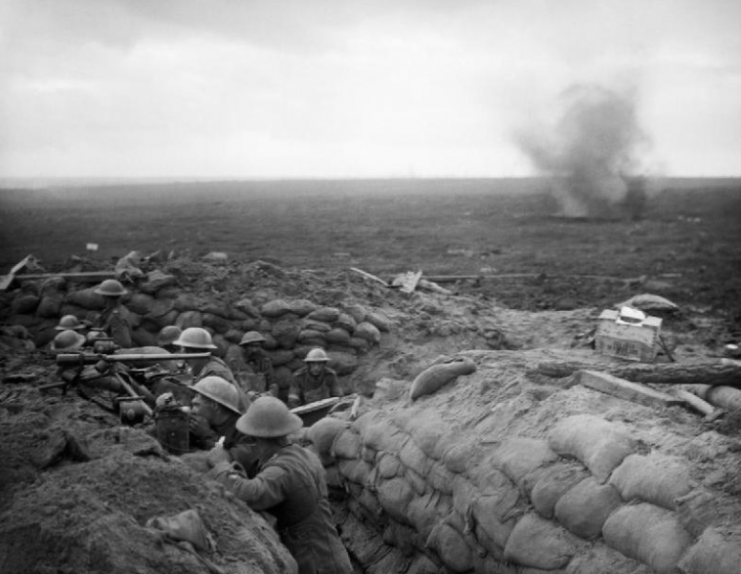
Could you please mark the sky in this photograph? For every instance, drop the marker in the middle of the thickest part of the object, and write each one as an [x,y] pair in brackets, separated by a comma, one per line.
[225,89]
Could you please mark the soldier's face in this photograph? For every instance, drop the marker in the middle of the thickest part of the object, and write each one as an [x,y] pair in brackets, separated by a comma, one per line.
[316,368]
[203,407]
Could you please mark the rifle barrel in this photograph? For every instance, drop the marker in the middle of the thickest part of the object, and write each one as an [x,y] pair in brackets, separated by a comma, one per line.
[92,358]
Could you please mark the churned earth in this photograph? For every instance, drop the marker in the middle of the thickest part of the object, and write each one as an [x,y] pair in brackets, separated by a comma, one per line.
[77,489]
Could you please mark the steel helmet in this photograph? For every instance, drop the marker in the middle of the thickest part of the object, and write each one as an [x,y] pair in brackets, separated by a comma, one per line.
[219,390]
[269,417]
[195,338]
[67,340]
[252,337]
[69,322]
[168,335]
[110,288]
[316,356]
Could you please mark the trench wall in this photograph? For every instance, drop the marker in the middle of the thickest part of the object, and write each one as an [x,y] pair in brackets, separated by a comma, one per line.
[291,326]
[424,499]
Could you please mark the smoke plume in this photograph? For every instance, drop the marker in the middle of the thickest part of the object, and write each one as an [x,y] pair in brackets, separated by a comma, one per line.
[591,153]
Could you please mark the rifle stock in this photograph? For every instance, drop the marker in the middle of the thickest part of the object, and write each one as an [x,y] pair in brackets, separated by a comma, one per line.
[93,358]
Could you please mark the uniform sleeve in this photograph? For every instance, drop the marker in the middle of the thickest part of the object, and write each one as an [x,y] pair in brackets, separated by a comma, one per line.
[335,389]
[294,393]
[260,493]
[119,331]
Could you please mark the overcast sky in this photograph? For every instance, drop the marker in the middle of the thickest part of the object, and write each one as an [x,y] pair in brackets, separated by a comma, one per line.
[351,88]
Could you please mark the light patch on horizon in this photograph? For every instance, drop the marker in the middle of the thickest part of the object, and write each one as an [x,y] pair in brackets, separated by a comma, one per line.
[331,88]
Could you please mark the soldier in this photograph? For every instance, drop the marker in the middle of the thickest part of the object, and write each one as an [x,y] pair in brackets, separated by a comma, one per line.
[315,381]
[71,322]
[66,341]
[213,416]
[167,336]
[259,363]
[198,340]
[290,485]
[115,319]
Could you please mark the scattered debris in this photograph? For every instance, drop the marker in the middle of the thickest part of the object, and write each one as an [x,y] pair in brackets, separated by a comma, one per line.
[628,334]
[627,390]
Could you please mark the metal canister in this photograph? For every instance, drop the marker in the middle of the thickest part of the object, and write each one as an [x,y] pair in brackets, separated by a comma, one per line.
[172,430]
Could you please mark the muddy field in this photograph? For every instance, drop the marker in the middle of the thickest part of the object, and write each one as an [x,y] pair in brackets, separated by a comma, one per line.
[686,248]
[79,489]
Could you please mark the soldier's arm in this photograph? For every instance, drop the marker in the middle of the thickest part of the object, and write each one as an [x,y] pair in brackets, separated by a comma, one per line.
[335,389]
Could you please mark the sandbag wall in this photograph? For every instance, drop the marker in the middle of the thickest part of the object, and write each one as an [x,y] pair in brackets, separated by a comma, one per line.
[291,327]
[584,499]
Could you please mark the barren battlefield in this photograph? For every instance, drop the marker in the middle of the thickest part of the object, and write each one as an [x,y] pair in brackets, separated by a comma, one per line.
[484,429]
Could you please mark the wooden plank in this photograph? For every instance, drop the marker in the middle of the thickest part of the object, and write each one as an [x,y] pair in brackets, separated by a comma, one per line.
[79,277]
[369,276]
[623,389]
[407,281]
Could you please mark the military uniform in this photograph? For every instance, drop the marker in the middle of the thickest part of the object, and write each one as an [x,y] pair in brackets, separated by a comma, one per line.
[116,322]
[260,364]
[306,388]
[239,446]
[291,486]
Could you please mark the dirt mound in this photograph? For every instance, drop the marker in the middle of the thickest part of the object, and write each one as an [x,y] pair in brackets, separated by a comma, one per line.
[77,489]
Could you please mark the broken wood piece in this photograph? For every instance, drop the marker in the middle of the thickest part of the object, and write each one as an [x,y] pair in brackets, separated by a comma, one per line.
[369,276]
[407,281]
[716,372]
[78,277]
[728,398]
[434,287]
[7,280]
[711,413]
[623,389]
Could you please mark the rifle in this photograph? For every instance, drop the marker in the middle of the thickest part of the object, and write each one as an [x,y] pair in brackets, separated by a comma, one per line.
[72,359]
[116,381]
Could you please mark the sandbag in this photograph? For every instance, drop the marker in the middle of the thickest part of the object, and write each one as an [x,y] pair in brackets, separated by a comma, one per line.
[86,298]
[496,516]
[697,510]
[451,547]
[584,509]
[389,466]
[186,526]
[597,443]
[50,305]
[413,457]
[394,496]
[427,432]
[368,332]
[518,456]
[324,314]
[188,319]
[425,512]
[539,543]
[323,433]
[383,436]
[440,478]
[553,484]
[436,376]
[656,478]
[601,559]
[338,336]
[647,533]
[356,471]
[379,320]
[347,322]
[715,552]
[216,323]
[346,445]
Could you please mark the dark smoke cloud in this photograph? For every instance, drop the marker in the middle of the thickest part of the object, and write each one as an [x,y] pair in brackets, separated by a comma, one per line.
[592,153]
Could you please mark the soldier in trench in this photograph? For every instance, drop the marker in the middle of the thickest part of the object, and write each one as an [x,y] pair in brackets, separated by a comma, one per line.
[115,319]
[314,381]
[289,485]
[261,374]
[198,340]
